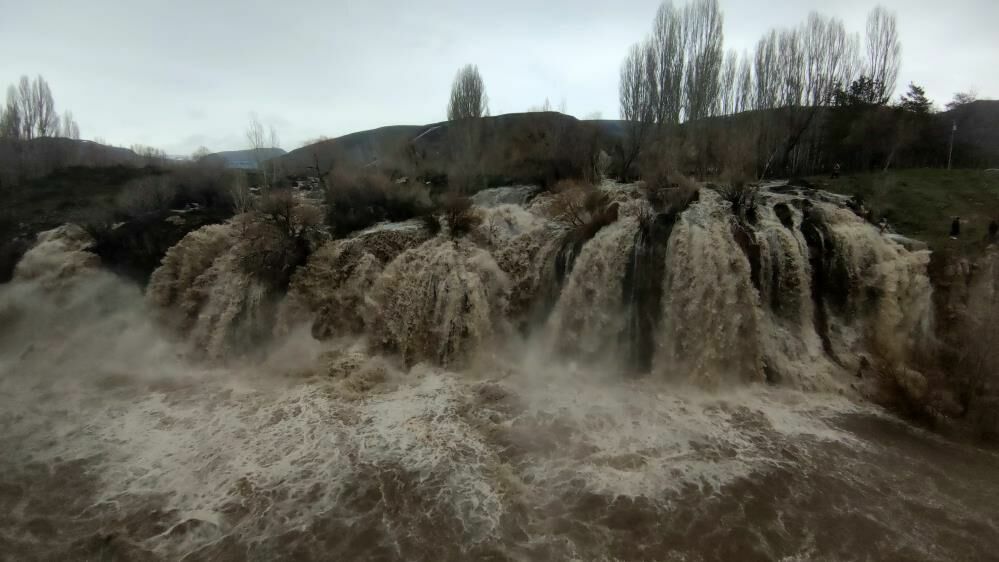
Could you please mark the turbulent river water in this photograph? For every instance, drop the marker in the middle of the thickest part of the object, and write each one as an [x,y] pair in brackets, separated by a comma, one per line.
[670,387]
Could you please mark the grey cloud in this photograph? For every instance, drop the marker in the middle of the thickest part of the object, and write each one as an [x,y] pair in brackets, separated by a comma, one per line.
[133,71]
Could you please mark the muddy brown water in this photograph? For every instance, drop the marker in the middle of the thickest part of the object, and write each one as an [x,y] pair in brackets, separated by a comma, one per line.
[440,466]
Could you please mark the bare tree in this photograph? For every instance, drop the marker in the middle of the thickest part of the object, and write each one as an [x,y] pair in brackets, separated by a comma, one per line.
[729,84]
[48,119]
[636,107]
[239,192]
[28,111]
[830,58]
[884,51]
[69,128]
[962,98]
[468,95]
[766,72]
[744,86]
[666,62]
[10,121]
[256,139]
[791,69]
[200,153]
[703,21]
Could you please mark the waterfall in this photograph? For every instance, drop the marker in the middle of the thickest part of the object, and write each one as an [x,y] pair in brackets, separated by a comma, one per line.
[205,292]
[590,319]
[709,330]
[329,292]
[793,292]
[439,302]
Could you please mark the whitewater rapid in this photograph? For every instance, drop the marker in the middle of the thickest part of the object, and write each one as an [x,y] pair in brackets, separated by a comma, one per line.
[432,399]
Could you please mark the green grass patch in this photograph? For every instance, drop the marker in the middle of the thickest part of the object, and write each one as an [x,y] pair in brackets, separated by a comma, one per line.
[922,203]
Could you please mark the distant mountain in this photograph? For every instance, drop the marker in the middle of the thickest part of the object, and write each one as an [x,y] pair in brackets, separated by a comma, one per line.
[538,147]
[516,147]
[244,159]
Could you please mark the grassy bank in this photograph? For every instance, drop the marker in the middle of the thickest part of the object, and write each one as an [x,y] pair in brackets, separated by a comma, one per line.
[921,203]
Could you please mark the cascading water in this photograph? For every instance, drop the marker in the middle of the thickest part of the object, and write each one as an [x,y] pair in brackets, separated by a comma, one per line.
[330,290]
[352,440]
[205,292]
[439,302]
[590,319]
[709,328]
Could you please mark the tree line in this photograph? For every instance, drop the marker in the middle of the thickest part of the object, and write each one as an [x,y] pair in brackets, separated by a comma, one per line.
[30,112]
[806,98]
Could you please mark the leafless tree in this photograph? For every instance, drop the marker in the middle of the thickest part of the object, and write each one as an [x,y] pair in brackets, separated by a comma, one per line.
[31,107]
[468,95]
[666,60]
[152,155]
[48,119]
[791,69]
[705,37]
[256,139]
[884,51]
[830,58]
[239,192]
[10,116]
[729,84]
[744,85]
[69,128]
[636,107]
[28,111]
[962,98]
[766,72]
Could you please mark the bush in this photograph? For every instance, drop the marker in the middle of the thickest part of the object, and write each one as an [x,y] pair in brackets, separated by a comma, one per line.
[357,201]
[148,195]
[743,198]
[459,214]
[669,192]
[582,207]
[432,223]
[202,184]
[276,237]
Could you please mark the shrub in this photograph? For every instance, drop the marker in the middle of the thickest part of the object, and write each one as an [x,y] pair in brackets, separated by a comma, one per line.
[432,223]
[201,184]
[357,201]
[743,198]
[276,237]
[582,207]
[459,214]
[669,192]
[148,195]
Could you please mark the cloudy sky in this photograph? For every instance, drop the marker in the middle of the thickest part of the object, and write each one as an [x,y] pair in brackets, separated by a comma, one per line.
[178,74]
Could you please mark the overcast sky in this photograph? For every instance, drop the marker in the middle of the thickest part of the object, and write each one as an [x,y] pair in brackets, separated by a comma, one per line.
[179,74]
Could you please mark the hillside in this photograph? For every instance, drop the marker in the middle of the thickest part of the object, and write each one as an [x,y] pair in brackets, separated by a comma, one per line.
[536,146]
[976,141]
[516,147]
[24,160]
[242,159]
[921,203]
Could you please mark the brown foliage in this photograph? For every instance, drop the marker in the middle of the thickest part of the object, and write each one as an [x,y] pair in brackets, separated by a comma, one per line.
[459,214]
[146,195]
[582,207]
[355,201]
